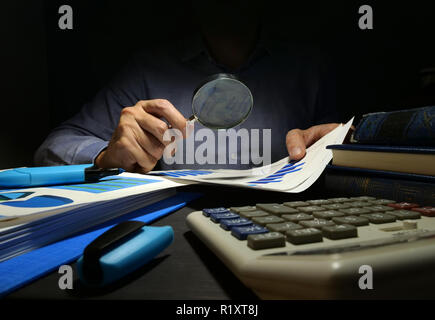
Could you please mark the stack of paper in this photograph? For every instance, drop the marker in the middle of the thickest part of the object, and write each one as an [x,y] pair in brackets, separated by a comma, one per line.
[31,218]
[283,175]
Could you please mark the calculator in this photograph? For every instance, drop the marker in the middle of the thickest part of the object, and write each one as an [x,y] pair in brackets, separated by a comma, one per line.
[357,247]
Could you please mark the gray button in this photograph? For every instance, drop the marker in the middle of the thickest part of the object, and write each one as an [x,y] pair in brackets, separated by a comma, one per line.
[360,204]
[266,240]
[311,209]
[316,223]
[336,206]
[318,202]
[382,201]
[267,220]
[297,217]
[341,231]
[302,236]
[363,198]
[283,227]
[328,214]
[339,200]
[380,208]
[405,214]
[252,214]
[380,217]
[352,220]
[356,211]
[244,208]
[296,204]
[275,208]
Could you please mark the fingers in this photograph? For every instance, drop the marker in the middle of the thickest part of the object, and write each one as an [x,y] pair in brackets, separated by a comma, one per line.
[164,109]
[295,144]
[298,140]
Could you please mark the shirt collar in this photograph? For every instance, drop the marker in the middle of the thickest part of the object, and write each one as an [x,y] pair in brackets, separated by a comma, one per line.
[193,45]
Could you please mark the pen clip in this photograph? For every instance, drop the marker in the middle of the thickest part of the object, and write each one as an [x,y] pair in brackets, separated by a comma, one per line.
[104,243]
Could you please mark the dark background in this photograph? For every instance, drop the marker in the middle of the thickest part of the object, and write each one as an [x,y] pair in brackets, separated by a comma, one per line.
[47,73]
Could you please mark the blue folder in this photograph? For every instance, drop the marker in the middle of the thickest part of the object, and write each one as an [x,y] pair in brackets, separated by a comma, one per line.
[23,269]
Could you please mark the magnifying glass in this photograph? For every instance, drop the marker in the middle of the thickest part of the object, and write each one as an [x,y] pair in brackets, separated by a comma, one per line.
[221,102]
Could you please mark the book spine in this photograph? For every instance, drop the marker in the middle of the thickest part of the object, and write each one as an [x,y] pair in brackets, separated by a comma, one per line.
[341,184]
[413,127]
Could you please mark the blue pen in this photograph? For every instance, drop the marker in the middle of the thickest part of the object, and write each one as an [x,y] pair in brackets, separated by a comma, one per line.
[43,176]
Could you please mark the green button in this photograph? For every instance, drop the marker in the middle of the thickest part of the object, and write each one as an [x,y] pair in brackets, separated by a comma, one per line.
[340,200]
[360,204]
[363,198]
[266,240]
[328,214]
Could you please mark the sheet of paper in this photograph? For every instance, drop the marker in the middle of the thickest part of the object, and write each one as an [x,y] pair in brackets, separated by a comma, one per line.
[283,175]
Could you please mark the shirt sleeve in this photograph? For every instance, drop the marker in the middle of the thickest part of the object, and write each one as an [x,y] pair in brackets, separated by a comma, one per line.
[81,138]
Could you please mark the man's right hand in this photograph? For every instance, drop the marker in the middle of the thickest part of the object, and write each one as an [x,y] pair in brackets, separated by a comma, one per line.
[137,143]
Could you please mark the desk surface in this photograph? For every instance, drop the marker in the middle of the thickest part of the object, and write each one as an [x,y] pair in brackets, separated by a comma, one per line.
[185,270]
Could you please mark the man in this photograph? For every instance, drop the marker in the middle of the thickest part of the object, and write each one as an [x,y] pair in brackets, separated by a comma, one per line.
[125,123]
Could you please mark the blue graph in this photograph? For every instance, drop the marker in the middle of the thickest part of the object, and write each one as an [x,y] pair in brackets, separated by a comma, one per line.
[277,176]
[107,184]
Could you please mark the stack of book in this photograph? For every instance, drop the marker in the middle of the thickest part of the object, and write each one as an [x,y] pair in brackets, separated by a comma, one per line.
[391,155]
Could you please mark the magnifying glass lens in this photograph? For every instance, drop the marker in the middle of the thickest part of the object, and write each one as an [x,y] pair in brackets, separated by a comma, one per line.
[222,102]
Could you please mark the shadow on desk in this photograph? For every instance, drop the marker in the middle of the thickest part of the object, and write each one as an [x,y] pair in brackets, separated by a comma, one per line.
[226,279]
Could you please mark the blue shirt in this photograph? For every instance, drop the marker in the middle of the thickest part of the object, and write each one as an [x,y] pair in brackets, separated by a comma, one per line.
[290,87]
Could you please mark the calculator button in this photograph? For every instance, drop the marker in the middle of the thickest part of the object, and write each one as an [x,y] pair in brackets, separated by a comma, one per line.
[363,198]
[227,224]
[310,209]
[266,240]
[405,214]
[296,204]
[244,208]
[252,214]
[209,211]
[283,227]
[356,211]
[217,217]
[403,205]
[380,208]
[275,208]
[426,211]
[380,217]
[242,233]
[382,201]
[328,214]
[316,223]
[339,200]
[302,236]
[318,202]
[267,220]
[297,217]
[352,220]
[336,206]
[342,231]
[360,204]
